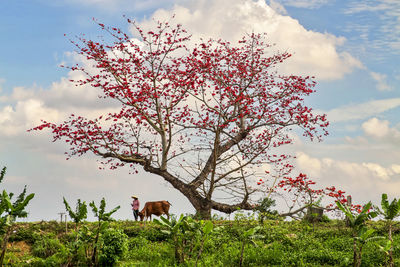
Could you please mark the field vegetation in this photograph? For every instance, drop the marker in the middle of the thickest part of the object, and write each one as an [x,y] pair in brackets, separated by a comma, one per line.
[184,241]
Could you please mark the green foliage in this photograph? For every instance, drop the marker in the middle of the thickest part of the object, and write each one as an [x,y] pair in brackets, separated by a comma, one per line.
[23,233]
[100,213]
[46,245]
[279,243]
[357,221]
[389,211]
[115,246]
[80,213]
[102,218]
[264,209]
[249,236]
[9,212]
[188,236]
[361,234]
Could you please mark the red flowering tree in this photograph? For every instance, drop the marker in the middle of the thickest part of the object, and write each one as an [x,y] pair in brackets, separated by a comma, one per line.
[301,192]
[203,118]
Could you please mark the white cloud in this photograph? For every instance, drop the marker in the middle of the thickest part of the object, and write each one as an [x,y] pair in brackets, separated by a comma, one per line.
[375,127]
[362,111]
[381,82]
[396,168]
[316,167]
[365,181]
[26,107]
[379,171]
[26,114]
[314,53]
[380,129]
[312,165]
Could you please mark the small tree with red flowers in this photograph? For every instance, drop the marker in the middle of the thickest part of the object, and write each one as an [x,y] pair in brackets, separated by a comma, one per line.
[203,118]
[301,193]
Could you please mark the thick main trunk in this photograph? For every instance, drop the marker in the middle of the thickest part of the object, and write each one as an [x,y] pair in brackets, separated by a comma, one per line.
[203,208]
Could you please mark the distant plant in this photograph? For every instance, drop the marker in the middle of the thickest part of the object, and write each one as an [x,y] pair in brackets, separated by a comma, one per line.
[102,218]
[80,213]
[389,212]
[9,212]
[264,208]
[361,235]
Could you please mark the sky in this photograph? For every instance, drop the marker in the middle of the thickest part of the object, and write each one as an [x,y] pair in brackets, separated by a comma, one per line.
[352,48]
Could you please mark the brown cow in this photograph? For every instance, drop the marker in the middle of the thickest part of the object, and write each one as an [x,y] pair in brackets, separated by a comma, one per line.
[154,207]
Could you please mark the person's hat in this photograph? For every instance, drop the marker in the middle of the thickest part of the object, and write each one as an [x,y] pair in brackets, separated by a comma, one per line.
[134,197]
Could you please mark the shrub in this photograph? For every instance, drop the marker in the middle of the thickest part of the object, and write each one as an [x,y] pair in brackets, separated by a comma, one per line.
[153,233]
[46,246]
[23,233]
[132,231]
[115,245]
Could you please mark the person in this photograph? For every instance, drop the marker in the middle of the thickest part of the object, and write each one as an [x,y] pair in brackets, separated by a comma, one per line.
[135,207]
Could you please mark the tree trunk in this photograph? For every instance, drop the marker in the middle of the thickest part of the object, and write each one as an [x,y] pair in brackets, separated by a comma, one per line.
[4,245]
[203,208]
[355,257]
[391,262]
[241,253]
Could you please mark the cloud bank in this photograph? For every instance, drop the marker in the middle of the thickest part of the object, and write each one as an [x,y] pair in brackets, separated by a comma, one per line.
[314,53]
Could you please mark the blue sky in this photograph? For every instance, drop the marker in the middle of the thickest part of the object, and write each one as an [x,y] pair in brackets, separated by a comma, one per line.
[352,47]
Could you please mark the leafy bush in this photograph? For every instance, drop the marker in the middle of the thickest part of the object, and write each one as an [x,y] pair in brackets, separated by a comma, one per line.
[46,246]
[153,233]
[23,233]
[115,246]
[132,231]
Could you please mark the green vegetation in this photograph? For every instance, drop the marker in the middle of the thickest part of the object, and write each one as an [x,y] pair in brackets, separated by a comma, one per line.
[79,214]
[9,212]
[223,243]
[389,213]
[262,238]
[361,234]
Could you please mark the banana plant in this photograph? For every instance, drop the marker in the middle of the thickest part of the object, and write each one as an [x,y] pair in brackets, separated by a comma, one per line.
[207,228]
[386,248]
[188,235]
[360,233]
[248,236]
[102,217]
[389,212]
[174,229]
[9,212]
[363,237]
[79,214]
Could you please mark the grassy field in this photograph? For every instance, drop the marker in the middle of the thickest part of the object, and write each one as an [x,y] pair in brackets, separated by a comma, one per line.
[229,243]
